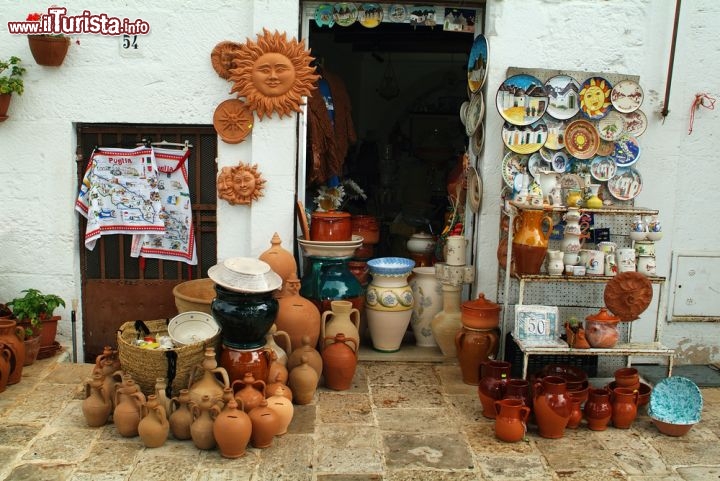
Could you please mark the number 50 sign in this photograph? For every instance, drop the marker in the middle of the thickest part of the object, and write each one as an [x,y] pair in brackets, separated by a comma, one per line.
[535,323]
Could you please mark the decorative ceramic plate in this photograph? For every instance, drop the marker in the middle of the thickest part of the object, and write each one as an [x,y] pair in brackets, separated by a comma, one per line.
[477,140]
[611,127]
[534,164]
[525,139]
[233,120]
[605,148]
[192,327]
[474,114]
[627,151]
[463,111]
[324,15]
[626,96]
[603,168]
[556,132]
[676,400]
[635,122]
[391,266]
[563,93]
[474,189]
[626,184]
[521,99]
[477,63]
[512,165]
[595,98]
[370,15]
[546,154]
[581,139]
[345,13]
[560,162]
[571,181]
[628,294]
[397,13]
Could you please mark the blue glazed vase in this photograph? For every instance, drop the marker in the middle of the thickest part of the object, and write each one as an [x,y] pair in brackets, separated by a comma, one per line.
[245,317]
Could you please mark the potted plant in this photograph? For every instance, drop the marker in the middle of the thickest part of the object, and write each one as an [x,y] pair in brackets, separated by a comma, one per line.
[47,49]
[34,311]
[10,82]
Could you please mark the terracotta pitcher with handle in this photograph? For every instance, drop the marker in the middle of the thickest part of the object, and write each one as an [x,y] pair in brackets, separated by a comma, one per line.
[530,240]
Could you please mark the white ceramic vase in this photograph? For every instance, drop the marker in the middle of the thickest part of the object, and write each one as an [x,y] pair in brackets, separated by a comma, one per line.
[427,292]
[388,306]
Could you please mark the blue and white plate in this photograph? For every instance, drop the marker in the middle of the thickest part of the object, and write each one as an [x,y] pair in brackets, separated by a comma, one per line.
[391,266]
[560,162]
[676,400]
[627,150]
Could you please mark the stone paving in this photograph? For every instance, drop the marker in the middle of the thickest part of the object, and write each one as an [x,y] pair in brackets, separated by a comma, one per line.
[399,421]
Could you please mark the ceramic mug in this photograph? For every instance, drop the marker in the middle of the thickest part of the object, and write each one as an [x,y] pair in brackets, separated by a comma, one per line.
[610,264]
[571,258]
[626,260]
[646,265]
[595,263]
[644,248]
[456,245]
[607,247]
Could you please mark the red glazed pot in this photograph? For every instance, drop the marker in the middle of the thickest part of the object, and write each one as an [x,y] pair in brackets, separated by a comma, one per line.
[330,226]
[552,407]
[493,377]
[624,407]
[598,409]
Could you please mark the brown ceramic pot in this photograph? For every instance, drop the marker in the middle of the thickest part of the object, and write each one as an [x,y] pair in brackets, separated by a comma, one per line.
[12,336]
[314,358]
[598,409]
[511,419]
[627,377]
[624,407]
[204,378]
[530,242]
[339,362]
[601,329]
[128,408]
[97,406]
[265,425]
[576,413]
[280,260]
[475,347]
[284,409]
[518,389]
[480,313]
[491,388]
[232,429]
[552,406]
[201,429]
[342,317]
[303,382]
[330,226]
[367,227]
[237,362]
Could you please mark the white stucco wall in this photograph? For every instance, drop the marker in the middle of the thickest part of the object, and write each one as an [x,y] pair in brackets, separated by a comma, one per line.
[172,81]
[679,172]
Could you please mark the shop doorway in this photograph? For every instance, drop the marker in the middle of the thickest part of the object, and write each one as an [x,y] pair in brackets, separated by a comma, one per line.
[406,83]
[115,289]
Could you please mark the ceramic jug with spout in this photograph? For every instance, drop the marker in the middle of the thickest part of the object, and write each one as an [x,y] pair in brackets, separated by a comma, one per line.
[532,232]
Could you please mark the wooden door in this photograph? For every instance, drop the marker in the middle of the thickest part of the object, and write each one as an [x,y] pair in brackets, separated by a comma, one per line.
[115,288]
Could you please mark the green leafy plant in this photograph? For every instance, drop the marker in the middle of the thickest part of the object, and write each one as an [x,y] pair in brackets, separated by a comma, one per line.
[11,76]
[33,308]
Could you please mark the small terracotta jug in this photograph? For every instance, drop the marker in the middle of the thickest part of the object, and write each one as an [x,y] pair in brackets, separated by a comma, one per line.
[283,407]
[161,391]
[265,425]
[518,389]
[510,421]
[96,406]
[282,354]
[280,260]
[306,349]
[154,427]
[475,347]
[491,388]
[201,429]
[576,413]
[273,387]
[342,317]
[181,417]
[624,407]
[303,381]
[339,362]
[108,361]
[598,409]
[551,403]
[232,429]
[207,383]
[277,370]
[250,391]
[128,408]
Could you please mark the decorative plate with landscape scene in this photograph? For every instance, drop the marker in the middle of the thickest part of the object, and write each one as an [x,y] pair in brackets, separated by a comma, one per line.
[556,132]
[521,99]
[635,122]
[564,96]
[626,96]
[477,64]
[525,139]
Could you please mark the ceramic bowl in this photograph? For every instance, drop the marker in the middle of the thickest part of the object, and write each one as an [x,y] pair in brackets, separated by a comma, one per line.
[676,400]
[330,248]
[192,327]
[245,274]
[391,266]
[670,429]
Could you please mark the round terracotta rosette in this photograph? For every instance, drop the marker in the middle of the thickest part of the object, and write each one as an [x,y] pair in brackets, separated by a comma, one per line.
[233,121]
[628,294]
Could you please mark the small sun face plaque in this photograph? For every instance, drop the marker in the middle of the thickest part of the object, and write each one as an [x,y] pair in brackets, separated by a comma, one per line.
[240,184]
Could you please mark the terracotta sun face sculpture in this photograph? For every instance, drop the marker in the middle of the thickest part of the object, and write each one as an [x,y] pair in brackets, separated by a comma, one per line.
[240,184]
[273,74]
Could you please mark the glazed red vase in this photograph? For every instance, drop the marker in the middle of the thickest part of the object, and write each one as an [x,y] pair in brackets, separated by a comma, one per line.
[511,419]
[624,407]
[330,226]
[552,406]
[598,409]
[12,336]
[627,377]
[491,388]
[237,362]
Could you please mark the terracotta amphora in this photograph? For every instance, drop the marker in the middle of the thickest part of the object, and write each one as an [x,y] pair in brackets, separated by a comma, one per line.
[5,356]
[129,401]
[181,417]
[305,349]
[552,406]
[108,362]
[265,425]
[339,362]
[154,427]
[491,387]
[303,381]
[475,347]
[207,383]
[250,391]
[283,407]
[201,429]
[273,387]
[239,361]
[232,429]
[297,316]
[12,336]
[598,409]
[341,318]
[96,407]
[511,419]
[624,407]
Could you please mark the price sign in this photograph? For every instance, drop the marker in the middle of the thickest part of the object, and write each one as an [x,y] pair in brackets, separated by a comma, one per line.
[535,323]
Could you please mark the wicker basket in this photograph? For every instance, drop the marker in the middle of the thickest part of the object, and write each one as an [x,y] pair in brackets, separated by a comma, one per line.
[147,365]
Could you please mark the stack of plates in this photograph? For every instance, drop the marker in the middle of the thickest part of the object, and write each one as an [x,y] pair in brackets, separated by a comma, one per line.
[330,248]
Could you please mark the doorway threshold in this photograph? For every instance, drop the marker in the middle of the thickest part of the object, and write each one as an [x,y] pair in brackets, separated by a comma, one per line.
[407,353]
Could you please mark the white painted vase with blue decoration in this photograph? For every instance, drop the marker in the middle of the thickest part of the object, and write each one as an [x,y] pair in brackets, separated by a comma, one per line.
[427,291]
[389,302]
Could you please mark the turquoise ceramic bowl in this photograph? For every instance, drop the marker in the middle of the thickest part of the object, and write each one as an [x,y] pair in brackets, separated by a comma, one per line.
[676,400]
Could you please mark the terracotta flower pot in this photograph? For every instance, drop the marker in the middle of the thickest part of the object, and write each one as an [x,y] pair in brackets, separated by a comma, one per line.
[48,50]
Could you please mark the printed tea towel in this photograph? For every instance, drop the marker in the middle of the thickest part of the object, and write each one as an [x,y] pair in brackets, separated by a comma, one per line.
[177,243]
[119,194]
